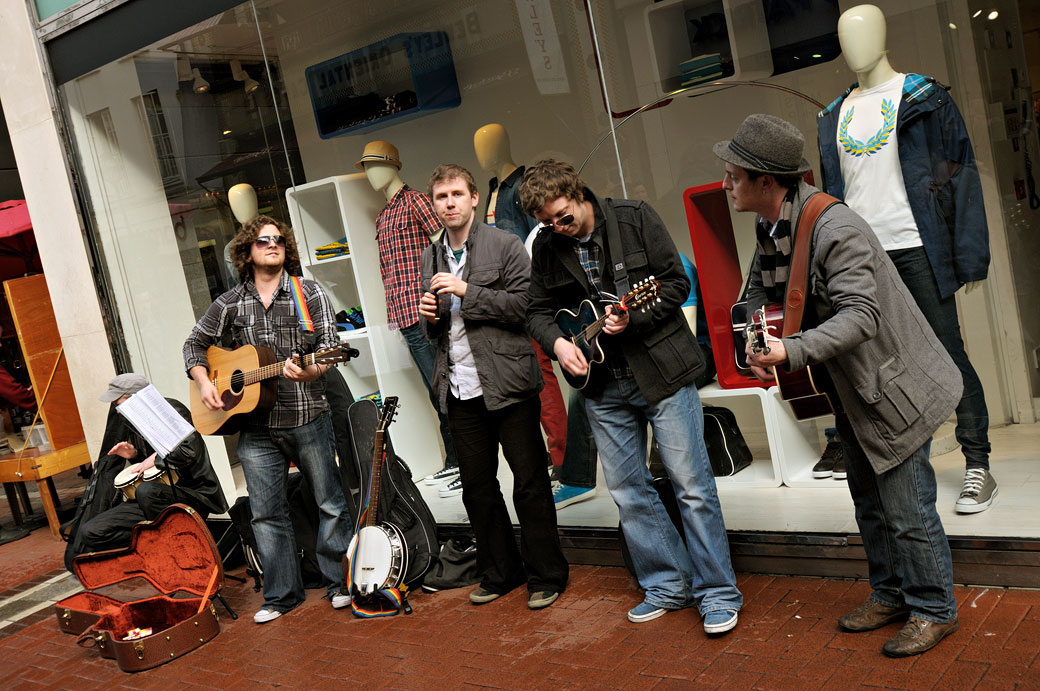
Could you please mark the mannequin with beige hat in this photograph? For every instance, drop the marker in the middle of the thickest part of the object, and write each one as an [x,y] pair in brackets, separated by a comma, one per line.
[896,149]
[404,228]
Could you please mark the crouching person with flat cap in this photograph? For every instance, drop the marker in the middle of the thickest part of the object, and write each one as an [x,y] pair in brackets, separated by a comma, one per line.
[196,483]
[893,382]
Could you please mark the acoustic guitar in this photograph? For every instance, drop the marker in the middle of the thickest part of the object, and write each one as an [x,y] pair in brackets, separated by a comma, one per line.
[377,557]
[584,325]
[246,381]
[805,390]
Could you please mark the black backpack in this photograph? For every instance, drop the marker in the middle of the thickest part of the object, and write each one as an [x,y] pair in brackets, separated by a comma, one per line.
[400,502]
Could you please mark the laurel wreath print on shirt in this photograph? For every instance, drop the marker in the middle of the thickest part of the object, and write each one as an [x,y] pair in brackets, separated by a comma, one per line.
[853,146]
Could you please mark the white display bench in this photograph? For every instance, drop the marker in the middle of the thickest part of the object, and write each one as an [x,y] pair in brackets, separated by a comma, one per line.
[346,206]
[783,449]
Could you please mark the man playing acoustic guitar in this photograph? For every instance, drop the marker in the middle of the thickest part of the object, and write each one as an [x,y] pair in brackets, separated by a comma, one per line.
[262,310]
[651,363]
[894,382]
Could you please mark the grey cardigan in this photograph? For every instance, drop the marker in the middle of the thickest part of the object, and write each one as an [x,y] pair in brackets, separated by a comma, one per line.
[497,272]
[896,382]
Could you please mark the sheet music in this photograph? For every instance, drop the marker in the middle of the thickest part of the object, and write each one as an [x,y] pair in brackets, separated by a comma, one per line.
[157,421]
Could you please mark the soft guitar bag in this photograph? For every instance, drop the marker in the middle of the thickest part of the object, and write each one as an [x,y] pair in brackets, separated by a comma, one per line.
[399,500]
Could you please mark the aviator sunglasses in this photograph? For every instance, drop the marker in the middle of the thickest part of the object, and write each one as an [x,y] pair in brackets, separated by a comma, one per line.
[563,221]
[265,240]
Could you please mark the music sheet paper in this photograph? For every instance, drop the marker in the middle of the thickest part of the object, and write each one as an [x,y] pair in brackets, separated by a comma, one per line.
[157,421]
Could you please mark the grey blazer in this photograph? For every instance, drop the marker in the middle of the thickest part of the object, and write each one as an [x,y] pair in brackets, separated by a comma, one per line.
[895,380]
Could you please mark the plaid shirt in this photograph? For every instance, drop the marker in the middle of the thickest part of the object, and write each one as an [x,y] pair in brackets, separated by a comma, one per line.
[403,231]
[240,312]
[589,257]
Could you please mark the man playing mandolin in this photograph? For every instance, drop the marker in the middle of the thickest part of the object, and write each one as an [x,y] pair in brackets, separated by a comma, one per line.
[894,381]
[289,317]
[650,365]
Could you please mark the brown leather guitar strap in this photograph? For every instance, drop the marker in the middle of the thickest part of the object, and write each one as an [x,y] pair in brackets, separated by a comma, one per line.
[797,280]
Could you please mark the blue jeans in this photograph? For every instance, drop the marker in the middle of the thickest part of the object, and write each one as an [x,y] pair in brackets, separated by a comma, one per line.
[671,575]
[265,456]
[907,551]
[972,431]
[579,458]
[423,353]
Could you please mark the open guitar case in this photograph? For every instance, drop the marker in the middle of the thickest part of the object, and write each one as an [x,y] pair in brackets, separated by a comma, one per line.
[176,555]
[400,502]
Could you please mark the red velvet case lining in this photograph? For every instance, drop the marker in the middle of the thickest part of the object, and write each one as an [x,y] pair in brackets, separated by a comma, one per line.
[157,613]
[173,552]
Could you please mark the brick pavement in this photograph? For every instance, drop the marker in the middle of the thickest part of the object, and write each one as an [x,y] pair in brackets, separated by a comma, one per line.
[787,639]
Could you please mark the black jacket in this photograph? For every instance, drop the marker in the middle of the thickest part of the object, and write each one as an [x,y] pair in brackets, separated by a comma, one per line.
[190,459]
[660,349]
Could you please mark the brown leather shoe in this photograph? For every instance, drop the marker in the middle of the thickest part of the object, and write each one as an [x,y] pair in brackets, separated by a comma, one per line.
[917,636]
[871,615]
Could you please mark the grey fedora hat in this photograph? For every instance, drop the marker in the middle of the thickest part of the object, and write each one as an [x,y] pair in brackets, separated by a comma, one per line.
[765,144]
[123,385]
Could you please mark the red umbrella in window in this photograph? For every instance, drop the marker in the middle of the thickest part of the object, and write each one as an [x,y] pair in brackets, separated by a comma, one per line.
[18,253]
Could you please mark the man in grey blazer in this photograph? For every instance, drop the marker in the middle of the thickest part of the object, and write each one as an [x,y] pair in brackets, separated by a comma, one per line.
[893,382]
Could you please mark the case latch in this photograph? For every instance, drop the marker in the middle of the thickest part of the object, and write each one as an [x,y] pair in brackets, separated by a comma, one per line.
[139,649]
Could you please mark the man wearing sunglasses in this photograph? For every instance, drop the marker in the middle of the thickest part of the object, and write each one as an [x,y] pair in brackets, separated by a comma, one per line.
[651,363]
[261,311]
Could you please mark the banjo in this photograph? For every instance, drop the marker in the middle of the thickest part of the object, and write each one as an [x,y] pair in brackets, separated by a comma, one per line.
[377,557]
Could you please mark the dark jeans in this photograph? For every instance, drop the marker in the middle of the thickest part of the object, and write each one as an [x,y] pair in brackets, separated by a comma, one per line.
[478,432]
[972,415]
[579,458]
[908,555]
[111,529]
[423,353]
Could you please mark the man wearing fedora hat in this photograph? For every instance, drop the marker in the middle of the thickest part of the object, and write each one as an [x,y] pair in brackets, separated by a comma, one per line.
[893,381]
[404,229]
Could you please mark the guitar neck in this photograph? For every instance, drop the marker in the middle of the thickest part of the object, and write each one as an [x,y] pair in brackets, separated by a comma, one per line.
[377,471]
[275,369]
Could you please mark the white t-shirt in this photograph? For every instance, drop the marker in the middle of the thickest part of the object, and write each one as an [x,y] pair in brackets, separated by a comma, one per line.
[870,168]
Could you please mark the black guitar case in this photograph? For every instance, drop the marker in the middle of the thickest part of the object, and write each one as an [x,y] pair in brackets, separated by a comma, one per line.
[399,500]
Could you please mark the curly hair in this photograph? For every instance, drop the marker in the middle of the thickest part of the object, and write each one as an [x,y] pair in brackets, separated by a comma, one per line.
[546,181]
[452,171]
[242,247]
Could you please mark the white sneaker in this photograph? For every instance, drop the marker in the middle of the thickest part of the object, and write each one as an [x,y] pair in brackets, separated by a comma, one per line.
[265,615]
[441,475]
[451,489]
[340,600]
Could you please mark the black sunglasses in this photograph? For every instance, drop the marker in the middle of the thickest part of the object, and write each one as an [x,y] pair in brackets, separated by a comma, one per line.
[564,221]
[265,240]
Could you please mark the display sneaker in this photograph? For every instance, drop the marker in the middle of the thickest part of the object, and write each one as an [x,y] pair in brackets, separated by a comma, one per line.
[442,475]
[340,599]
[824,468]
[565,495]
[720,621]
[451,489]
[265,615]
[978,492]
[839,472]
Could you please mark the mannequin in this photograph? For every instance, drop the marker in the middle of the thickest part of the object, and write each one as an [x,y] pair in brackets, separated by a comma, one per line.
[242,200]
[896,149]
[404,228]
[491,144]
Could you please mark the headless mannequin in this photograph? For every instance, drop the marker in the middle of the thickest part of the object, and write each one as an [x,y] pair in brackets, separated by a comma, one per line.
[862,33]
[384,178]
[491,144]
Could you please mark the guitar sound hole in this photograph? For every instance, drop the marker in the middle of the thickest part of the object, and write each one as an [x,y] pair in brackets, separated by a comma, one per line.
[237,380]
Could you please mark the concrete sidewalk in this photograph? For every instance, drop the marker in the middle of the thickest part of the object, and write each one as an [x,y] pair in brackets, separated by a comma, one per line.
[787,638]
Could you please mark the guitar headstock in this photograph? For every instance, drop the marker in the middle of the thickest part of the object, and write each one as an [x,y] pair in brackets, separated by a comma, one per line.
[387,414]
[642,294]
[335,355]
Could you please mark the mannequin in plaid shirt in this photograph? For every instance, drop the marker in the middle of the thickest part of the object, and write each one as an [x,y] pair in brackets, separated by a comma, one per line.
[403,231]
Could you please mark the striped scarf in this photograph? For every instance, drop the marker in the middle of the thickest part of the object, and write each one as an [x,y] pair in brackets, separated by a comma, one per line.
[774,250]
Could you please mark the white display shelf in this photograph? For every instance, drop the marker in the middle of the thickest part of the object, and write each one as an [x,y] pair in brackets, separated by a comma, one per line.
[799,445]
[346,206]
[746,42]
[751,407]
